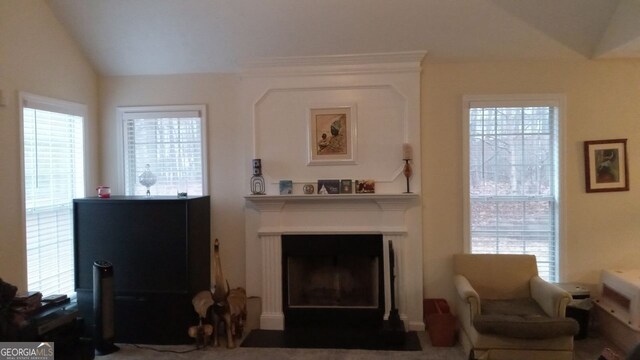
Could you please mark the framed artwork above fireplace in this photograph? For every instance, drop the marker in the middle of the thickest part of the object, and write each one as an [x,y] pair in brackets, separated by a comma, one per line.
[332,135]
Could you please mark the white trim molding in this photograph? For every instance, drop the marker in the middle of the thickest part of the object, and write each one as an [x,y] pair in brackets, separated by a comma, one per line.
[409,61]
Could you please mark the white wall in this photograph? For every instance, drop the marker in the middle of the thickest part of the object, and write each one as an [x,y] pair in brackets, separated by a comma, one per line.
[36,56]
[601,229]
[225,141]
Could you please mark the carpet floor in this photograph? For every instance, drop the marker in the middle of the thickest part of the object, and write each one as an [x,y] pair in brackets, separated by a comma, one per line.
[586,349]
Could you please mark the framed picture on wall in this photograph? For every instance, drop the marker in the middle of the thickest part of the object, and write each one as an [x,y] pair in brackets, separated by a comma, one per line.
[332,135]
[605,164]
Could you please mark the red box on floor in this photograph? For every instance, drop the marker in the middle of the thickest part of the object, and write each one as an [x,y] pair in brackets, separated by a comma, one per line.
[441,324]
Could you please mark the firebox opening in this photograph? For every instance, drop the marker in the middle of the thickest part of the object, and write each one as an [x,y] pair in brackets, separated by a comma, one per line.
[333,280]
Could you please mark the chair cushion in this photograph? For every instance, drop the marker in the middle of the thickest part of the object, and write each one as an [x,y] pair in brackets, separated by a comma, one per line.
[521,318]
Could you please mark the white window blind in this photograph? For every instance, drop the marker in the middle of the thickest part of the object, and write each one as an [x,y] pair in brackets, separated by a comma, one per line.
[172,142]
[513,202]
[53,175]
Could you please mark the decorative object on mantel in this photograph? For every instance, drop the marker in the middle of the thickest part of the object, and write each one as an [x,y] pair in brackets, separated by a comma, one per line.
[147,179]
[286,187]
[365,186]
[407,155]
[332,135]
[308,189]
[605,165]
[328,186]
[346,186]
[257,181]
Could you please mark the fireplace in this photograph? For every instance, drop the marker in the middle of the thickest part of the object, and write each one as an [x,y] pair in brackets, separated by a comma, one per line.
[270,219]
[332,280]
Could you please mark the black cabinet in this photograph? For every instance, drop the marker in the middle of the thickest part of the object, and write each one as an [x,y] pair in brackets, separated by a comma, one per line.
[159,248]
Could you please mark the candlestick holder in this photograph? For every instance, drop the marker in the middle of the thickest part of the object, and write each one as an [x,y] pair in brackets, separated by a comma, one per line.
[407,171]
[257,185]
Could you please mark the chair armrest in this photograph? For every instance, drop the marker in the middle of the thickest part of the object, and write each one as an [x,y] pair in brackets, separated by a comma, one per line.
[467,294]
[551,298]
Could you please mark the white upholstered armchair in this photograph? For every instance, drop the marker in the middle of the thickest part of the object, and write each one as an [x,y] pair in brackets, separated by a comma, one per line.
[507,311]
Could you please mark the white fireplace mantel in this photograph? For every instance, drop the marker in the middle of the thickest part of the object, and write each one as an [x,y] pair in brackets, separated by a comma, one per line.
[391,215]
[384,201]
[341,213]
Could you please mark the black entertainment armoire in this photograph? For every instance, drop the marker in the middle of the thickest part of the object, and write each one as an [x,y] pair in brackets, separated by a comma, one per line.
[159,248]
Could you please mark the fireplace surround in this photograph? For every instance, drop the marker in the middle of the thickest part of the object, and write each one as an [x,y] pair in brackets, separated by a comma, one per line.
[392,217]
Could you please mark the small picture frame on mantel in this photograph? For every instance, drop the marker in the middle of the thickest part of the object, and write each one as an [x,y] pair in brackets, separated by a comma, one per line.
[366,186]
[328,187]
[286,187]
[346,186]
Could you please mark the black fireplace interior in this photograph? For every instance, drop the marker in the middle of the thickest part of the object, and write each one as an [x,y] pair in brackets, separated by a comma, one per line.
[333,280]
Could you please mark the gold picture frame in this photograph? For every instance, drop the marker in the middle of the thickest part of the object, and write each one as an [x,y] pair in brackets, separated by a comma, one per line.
[332,135]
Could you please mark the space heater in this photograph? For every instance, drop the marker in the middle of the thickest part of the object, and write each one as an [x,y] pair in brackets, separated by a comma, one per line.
[103,304]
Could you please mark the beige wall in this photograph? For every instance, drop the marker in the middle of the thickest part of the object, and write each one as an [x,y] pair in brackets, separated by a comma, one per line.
[601,230]
[225,139]
[603,102]
[36,56]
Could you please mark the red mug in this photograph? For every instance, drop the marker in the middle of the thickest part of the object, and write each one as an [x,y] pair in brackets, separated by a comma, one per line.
[104,192]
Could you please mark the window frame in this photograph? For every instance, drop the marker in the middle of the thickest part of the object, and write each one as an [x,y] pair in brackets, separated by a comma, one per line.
[123,111]
[55,105]
[519,100]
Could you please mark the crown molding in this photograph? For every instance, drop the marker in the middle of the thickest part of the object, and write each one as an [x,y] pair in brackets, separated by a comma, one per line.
[409,61]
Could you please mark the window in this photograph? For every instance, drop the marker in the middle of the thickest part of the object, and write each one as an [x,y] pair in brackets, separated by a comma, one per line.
[512,172]
[172,141]
[53,165]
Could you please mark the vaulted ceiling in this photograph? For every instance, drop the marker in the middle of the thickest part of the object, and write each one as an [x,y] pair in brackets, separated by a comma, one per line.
[127,37]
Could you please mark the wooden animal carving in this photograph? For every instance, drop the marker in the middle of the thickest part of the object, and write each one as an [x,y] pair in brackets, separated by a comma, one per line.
[202,334]
[202,303]
[221,307]
[238,307]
